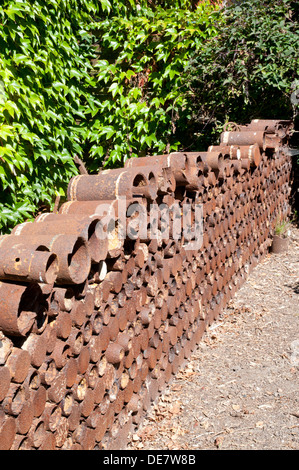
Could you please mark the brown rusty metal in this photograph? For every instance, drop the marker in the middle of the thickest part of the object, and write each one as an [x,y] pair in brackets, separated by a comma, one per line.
[22,262]
[20,305]
[237,152]
[61,298]
[176,161]
[18,364]
[160,176]
[7,432]
[72,253]
[97,353]
[107,210]
[6,348]
[89,228]
[5,382]
[112,184]
[36,346]
[280,127]
[263,139]
[251,153]
[231,151]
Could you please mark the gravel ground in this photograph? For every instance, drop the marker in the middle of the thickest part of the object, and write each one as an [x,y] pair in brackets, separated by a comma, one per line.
[239,390]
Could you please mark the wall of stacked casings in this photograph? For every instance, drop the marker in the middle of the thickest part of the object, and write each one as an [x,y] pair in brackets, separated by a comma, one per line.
[94,324]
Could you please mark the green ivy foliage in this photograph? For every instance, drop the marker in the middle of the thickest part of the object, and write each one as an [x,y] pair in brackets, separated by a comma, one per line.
[109,80]
[44,78]
[139,80]
[99,79]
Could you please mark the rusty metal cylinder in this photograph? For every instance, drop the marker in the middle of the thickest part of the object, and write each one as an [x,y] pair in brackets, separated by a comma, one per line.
[279,127]
[263,139]
[72,252]
[237,152]
[164,177]
[20,305]
[112,184]
[213,160]
[251,153]
[109,211]
[232,151]
[22,262]
[176,161]
[89,228]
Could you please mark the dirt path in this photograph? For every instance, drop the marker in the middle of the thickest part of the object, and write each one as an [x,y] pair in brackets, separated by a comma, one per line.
[240,390]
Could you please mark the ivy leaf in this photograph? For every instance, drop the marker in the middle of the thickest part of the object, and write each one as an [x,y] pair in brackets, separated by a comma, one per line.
[113,88]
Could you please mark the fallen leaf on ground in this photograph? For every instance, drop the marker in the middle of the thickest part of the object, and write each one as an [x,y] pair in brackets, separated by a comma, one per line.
[218,441]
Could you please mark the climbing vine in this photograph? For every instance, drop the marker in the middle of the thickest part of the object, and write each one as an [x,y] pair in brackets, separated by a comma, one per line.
[101,80]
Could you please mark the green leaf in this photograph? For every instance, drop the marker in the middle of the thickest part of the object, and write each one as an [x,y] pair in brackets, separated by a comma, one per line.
[114,89]
[108,131]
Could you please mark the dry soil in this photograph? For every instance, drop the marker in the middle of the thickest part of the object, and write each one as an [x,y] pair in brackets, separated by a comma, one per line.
[239,390]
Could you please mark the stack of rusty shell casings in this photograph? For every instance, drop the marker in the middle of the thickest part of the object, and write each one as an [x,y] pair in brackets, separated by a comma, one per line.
[103,302]
[265,140]
[250,153]
[20,305]
[115,217]
[89,228]
[163,175]
[268,134]
[282,128]
[175,162]
[73,257]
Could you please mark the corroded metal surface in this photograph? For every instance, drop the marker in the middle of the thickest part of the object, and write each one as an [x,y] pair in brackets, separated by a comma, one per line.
[20,261]
[102,302]
[111,184]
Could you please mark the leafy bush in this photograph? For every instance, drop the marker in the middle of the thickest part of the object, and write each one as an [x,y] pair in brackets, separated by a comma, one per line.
[249,69]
